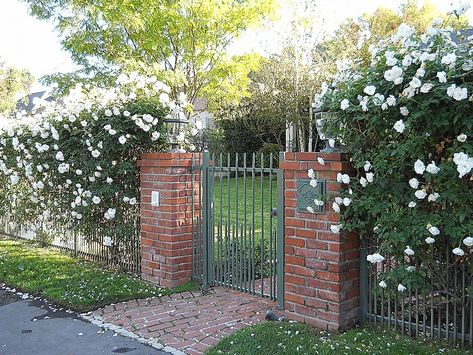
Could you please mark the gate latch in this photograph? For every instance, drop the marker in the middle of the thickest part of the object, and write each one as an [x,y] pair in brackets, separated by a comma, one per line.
[274,212]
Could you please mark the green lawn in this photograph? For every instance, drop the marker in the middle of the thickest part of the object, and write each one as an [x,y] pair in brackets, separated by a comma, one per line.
[257,200]
[274,338]
[73,283]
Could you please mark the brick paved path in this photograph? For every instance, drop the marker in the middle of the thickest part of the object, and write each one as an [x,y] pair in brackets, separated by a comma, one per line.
[189,321]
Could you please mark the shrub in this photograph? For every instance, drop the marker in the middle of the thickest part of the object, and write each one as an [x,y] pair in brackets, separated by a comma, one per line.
[73,163]
[406,120]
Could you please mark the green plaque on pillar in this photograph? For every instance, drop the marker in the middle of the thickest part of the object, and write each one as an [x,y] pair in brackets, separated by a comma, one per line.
[305,195]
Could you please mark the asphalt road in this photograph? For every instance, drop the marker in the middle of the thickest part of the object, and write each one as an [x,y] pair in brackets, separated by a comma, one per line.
[32,327]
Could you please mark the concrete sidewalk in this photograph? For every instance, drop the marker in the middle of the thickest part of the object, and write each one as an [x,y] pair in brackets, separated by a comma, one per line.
[31,326]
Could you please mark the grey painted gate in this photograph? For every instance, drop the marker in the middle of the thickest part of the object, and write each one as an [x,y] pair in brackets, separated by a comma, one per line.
[238,223]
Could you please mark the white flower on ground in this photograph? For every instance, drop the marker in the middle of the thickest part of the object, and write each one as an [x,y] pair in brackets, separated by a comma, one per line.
[336,207]
[363,182]
[310,209]
[107,241]
[429,240]
[458,251]
[434,230]
[404,111]
[383,284]
[320,161]
[442,76]
[344,104]
[468,241]
[432,168]
[462,138]
[457,93]
[311,173]
[122,139]
[375,258]
[414,183]
[370,177]
[110,214]
[409,251]
[401,288]
[412,204]
[335,228]
[370,90]
[313,183]
[399,126]
[419,167]
[420,194]
[433,197]
[96,200]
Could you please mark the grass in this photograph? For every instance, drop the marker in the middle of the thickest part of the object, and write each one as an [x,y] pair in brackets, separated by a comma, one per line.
[294,338]
[69,282]
[261,201]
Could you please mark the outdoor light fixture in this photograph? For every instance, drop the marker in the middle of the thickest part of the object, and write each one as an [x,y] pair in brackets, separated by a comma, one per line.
[176,121]
[324,135]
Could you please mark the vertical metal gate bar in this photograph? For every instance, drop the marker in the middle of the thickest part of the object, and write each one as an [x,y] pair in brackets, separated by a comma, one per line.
[280,235]
[363,285]
[205,217]
[245,254]
[253,273]
[271,226]
[262,224]
[222,261]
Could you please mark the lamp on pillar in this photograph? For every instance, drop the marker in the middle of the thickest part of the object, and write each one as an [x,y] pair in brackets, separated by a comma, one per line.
[176,121]
[325,135]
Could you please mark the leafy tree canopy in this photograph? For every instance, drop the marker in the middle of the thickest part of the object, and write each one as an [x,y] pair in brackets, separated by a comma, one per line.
[13,81]
[184,41]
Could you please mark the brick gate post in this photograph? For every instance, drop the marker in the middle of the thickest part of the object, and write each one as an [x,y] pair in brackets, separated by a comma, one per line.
[321,267]
[166,229]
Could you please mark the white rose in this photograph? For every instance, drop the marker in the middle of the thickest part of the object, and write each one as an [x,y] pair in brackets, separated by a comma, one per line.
[419,167]
[122,140]
[383,284]
[458,251]
[434,230]
[401,288]
[370,90]
[320,161]
[420,194]
[370,177]
[432,168]
[313,183]
[96,200]
[344,104]
[468,241]
[462,138]
[409,251]
[429,240]
[399,126]
[311,173]
[335,228]
[335,207]
[412,204]
[414,183]
[404,111]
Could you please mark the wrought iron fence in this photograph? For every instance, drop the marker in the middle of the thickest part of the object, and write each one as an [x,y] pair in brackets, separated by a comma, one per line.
[124,255]
[437,302]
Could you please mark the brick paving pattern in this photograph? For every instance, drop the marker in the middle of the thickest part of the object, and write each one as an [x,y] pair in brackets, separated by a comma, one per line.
[188,321]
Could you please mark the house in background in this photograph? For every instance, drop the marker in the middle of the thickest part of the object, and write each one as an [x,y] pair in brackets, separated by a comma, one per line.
[201,114]
[31,102]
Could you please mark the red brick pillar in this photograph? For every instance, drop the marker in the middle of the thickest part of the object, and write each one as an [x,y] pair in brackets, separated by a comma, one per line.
[321,267]
[166,230]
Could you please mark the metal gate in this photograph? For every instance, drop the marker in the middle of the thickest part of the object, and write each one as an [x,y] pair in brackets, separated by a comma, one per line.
[238,223]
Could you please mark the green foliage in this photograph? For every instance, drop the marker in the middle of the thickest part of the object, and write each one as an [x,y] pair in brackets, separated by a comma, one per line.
[417,119]
[12,82]
[75,164]
[295,338]
[186,38]
[72,283]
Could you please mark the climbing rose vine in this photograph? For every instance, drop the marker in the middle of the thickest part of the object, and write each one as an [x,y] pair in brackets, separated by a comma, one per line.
[406,121]
[73,162]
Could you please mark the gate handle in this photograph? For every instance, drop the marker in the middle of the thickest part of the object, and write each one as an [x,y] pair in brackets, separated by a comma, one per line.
[274,212]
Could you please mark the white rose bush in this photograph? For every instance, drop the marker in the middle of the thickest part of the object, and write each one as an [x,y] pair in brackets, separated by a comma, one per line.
[73,162]
[406,122]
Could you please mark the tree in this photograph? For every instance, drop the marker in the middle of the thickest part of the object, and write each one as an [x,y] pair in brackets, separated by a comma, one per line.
[13,82]
[185,41]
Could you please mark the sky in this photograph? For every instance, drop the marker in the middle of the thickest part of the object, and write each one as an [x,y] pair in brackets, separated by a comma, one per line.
[26,42]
